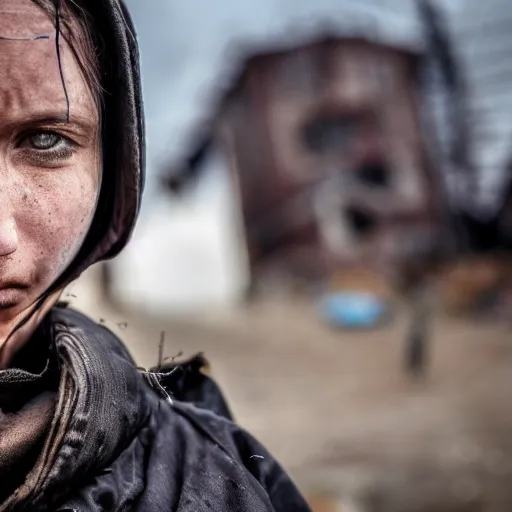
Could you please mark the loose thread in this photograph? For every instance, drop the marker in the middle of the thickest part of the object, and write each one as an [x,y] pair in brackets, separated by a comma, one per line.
[59,61]
[161,350]
[35,38]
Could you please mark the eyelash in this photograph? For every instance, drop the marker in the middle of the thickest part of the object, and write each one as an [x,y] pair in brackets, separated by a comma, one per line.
[54,155]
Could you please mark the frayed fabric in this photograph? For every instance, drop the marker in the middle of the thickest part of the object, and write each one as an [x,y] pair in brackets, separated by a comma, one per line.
[116,443]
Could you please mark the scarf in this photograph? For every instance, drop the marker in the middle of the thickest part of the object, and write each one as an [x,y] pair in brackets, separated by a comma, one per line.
[57,438]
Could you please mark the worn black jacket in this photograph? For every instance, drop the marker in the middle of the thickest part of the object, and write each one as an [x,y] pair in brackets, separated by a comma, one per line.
[129,445]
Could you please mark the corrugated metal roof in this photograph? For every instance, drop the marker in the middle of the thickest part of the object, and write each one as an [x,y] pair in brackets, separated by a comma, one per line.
[483,34]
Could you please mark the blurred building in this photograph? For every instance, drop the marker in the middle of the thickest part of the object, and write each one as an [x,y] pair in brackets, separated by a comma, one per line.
[332,156]
[326,147]
[317,144]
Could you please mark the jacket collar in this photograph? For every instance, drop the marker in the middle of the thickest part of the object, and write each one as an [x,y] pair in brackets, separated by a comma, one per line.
[101,406]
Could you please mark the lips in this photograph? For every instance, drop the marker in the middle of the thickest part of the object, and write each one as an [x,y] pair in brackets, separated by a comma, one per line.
[12,292]
[8,284]
[11,297]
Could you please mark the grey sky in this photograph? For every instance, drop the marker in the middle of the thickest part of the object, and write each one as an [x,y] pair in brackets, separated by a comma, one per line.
[183,47]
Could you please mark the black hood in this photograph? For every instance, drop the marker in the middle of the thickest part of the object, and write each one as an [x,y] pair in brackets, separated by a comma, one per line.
[122,138]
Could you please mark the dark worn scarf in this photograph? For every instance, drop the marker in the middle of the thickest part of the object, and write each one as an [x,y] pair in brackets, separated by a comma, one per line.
[56,438]
[27,403]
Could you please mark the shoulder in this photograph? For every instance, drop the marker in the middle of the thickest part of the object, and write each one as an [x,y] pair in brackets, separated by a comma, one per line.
[215,445]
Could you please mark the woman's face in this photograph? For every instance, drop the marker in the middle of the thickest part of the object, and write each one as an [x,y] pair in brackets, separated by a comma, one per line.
[49,168]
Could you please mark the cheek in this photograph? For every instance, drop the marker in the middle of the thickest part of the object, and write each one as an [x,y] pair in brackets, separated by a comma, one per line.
[57,214]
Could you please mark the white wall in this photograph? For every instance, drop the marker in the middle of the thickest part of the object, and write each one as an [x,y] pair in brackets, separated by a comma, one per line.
[186,254]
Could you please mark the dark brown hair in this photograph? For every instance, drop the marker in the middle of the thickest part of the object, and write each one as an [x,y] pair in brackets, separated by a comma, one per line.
[77,28]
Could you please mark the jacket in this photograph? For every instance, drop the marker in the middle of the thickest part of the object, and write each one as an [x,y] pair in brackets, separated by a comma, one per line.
[129,445]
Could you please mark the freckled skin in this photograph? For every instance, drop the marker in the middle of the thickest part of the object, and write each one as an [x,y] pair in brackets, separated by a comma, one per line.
[46,202]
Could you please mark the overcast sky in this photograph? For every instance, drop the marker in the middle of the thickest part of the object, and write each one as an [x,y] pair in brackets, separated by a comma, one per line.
[183,45]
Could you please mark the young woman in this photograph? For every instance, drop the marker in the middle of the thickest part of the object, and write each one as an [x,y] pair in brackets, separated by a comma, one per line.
[81,429]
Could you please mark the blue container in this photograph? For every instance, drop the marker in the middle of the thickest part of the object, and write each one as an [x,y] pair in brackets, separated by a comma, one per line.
[353,309]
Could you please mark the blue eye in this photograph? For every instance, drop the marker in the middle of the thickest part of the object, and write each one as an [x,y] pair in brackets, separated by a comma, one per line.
[46,148]
[45,140]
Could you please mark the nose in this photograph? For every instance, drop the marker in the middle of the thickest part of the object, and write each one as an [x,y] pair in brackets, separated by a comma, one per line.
[8,237]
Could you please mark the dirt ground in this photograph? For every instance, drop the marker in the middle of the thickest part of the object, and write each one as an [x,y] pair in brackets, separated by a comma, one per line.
[338,410]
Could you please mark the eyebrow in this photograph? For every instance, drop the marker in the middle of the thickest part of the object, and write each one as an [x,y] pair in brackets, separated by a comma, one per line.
[58,119]
[79,119]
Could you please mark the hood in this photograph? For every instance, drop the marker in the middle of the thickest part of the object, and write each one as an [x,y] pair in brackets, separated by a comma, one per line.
[122,140]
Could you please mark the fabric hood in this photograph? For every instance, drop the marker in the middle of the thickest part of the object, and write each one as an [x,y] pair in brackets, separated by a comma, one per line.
[122,139]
